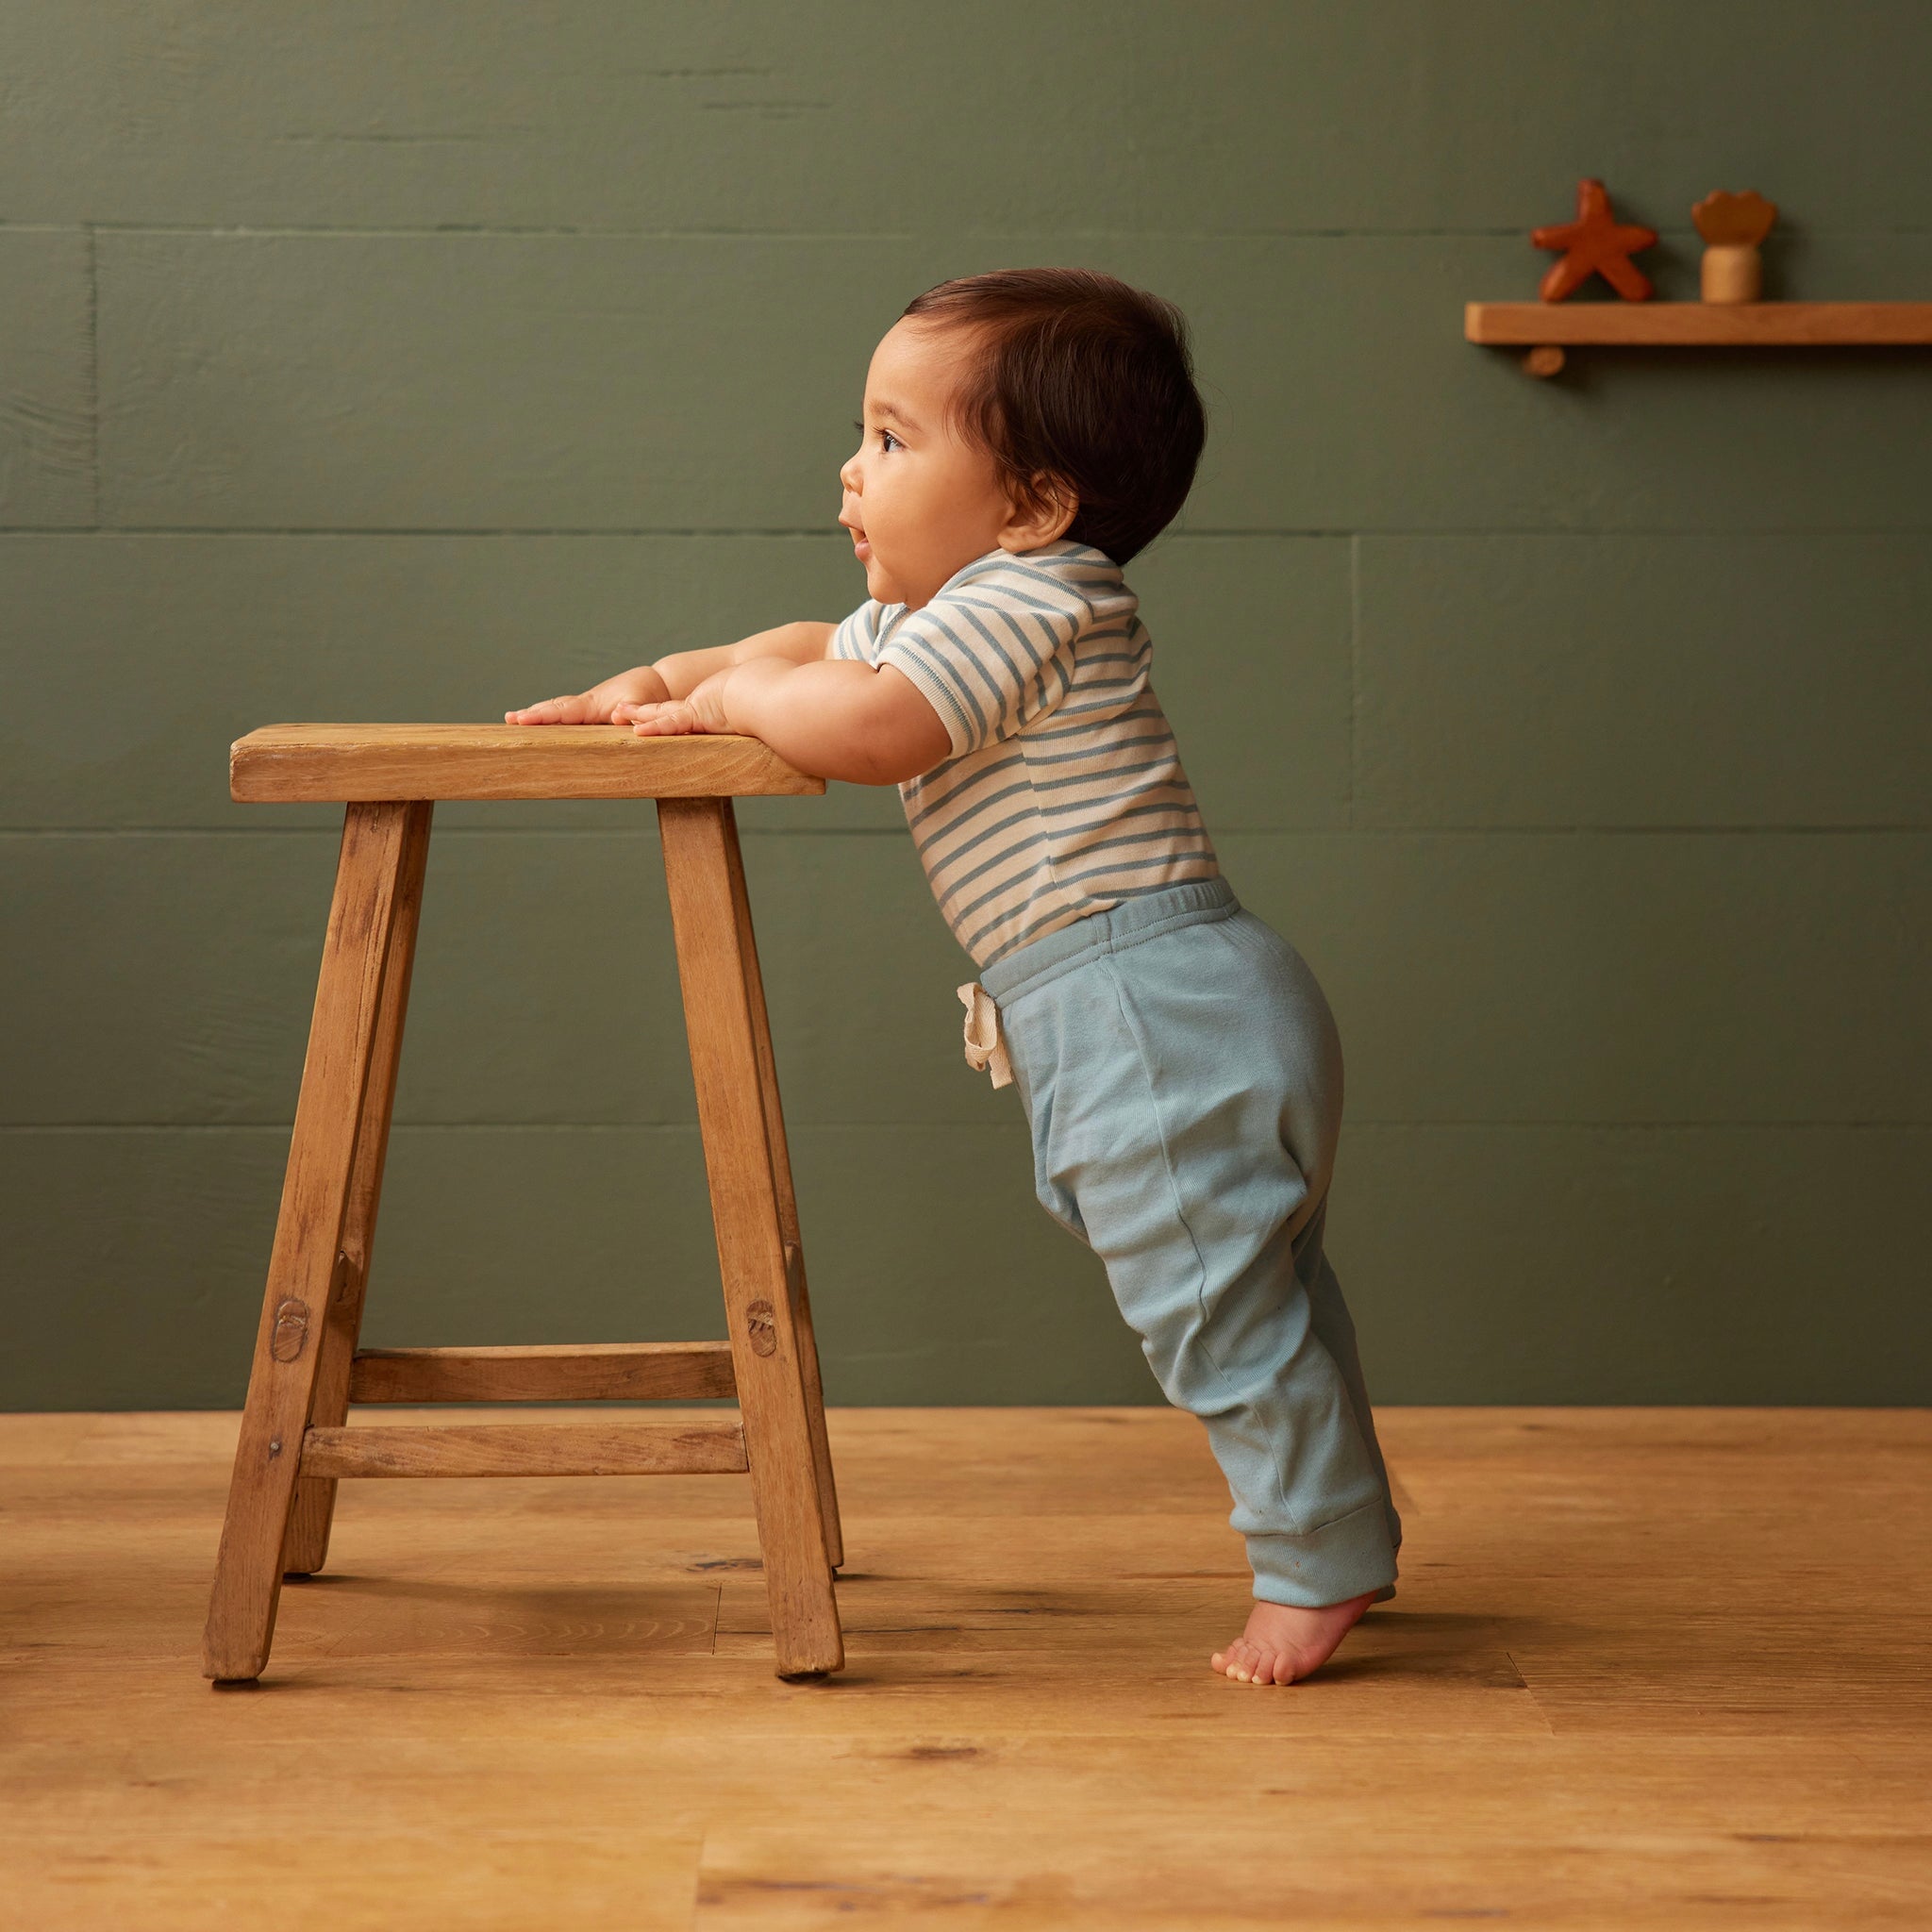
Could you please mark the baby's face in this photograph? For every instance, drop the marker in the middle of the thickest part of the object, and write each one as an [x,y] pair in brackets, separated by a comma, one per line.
[921,501]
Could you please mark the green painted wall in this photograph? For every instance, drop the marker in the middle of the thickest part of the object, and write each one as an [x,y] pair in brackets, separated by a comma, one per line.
[408,361]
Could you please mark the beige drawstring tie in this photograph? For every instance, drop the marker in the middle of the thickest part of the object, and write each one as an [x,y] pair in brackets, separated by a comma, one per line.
[986,1052]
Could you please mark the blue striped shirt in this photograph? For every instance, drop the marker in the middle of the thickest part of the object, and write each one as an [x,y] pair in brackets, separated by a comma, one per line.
[1063,793]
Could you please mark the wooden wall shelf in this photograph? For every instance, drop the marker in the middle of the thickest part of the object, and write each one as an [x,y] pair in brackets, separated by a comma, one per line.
[1545,328]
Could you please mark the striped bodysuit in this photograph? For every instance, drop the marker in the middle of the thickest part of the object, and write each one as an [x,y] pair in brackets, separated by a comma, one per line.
[1065,794]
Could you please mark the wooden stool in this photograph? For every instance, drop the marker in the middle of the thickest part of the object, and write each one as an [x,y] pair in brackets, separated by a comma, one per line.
[294,1447]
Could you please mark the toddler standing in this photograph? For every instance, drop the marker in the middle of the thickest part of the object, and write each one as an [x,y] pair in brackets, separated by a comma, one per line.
[1026,434]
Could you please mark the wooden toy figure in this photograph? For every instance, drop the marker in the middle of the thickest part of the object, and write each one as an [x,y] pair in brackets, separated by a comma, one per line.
[1594,243]
[1732,226]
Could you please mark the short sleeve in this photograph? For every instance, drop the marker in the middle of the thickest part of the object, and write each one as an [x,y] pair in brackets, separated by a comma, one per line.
[857,637]
[993,651]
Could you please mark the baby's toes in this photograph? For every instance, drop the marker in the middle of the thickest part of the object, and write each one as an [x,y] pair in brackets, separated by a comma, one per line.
[1240,1661]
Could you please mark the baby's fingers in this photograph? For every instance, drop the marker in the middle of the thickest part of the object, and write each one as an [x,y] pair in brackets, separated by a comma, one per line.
[551,711]
[662,721]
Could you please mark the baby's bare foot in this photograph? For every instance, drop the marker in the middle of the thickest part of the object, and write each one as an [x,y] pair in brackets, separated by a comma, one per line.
[1283,1643]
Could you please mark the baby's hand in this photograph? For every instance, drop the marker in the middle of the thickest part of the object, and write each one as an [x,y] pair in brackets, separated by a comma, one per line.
[703,710]
[674,720]
[600,704]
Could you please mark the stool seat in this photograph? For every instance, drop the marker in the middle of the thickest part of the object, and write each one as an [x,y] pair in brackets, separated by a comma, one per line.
[292,764]
[295,1443]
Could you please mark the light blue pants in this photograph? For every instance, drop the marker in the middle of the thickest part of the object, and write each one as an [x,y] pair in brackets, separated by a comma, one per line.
[1181,1074]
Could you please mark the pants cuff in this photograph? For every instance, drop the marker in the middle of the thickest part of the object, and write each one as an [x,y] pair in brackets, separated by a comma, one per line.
[1350,1557]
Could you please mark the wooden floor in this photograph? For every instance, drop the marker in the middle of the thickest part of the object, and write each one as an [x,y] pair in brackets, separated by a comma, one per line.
[1647,1668]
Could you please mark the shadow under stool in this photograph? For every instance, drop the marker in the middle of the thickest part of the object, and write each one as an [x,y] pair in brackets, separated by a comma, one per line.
[294,1446]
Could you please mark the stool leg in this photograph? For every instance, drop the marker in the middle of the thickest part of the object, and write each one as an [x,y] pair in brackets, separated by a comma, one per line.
[309,1231]
[788,1201]
[315,1496]
[759,1299]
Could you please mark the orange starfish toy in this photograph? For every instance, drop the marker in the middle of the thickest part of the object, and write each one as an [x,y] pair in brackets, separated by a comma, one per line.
[1594,243]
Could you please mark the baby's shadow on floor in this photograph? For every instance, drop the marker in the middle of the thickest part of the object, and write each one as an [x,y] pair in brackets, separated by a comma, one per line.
[1461,1646]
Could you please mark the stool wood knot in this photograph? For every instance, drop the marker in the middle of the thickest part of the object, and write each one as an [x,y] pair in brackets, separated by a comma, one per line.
[308,1369]
[761,1324]
[290,1332]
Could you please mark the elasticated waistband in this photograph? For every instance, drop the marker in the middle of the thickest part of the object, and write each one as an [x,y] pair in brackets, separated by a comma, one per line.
[1145,916]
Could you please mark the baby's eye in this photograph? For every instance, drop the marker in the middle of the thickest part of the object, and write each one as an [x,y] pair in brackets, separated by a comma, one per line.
[887,440]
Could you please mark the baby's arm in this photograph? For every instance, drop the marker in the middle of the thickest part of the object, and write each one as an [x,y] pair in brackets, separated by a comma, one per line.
[836,718]
[676,677]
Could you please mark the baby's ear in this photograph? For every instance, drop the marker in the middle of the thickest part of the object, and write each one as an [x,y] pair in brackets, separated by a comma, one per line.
[1044,516]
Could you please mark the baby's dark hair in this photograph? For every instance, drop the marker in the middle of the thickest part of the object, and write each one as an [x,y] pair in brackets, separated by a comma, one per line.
[1082,385]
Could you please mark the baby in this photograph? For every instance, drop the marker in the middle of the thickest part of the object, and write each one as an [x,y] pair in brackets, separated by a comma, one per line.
[1026,434]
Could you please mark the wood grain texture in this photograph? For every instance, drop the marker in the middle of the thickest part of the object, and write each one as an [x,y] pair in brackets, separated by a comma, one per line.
[307,1548]
[304,1264]
[760,1278]
[283,764]
[609,1372]
[788,1201]
[1643,1672]
[1699,325]
[528,1449]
